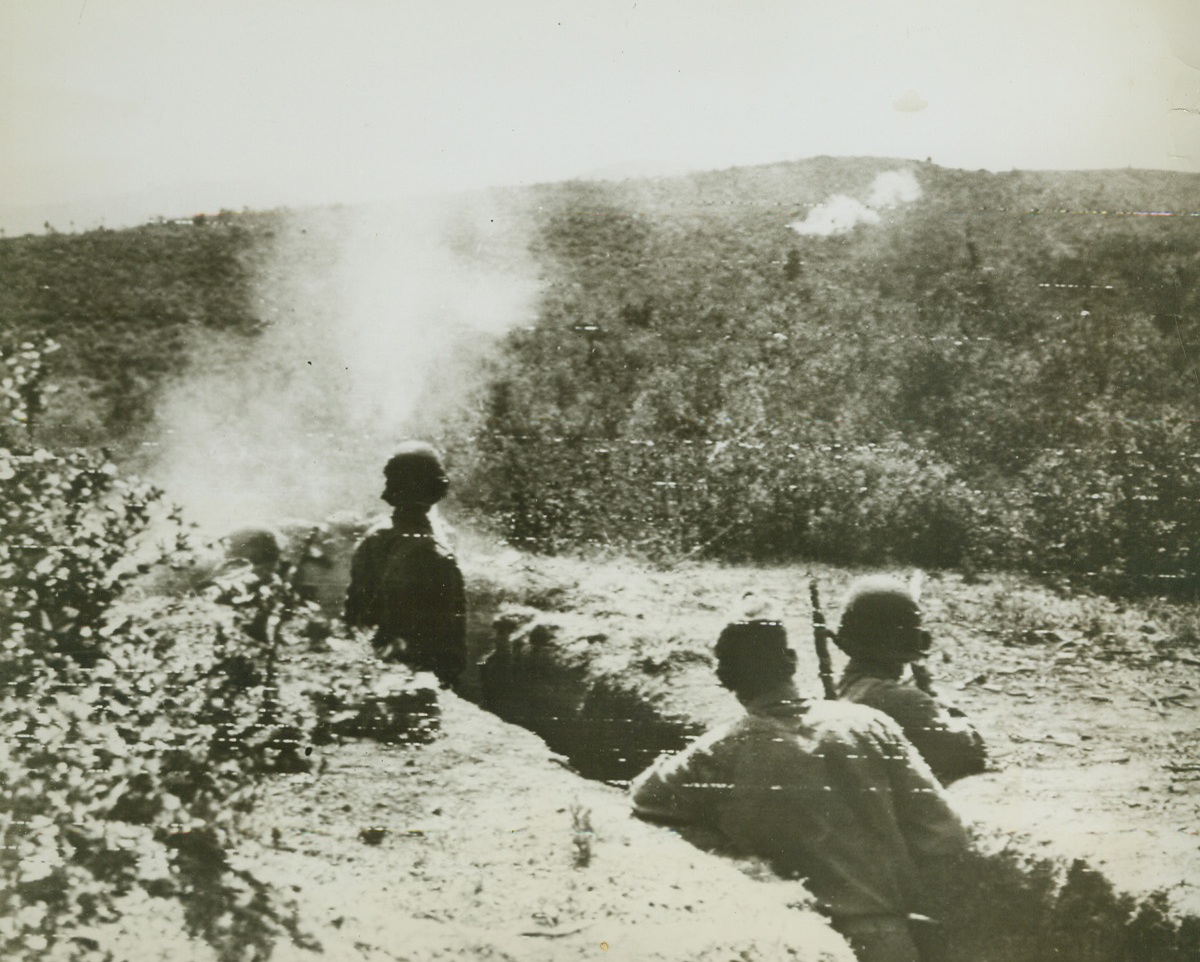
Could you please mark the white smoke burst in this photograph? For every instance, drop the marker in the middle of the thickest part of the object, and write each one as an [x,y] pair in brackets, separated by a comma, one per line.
[367,313]
[841,213]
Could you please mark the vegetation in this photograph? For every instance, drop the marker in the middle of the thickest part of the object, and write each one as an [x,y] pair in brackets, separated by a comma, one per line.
[127,307]
[999,374]
[131,755]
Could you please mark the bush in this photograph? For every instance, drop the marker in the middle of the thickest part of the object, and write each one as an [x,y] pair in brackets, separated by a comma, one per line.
[131,756]
[762,497]
[890,503]
[1119,505]
[939,390]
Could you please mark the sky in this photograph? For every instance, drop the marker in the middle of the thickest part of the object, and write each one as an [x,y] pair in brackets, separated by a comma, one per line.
[117,111]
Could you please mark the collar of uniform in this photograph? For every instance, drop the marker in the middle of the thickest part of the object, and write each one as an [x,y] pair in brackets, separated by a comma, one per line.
[781,700]
[861,668]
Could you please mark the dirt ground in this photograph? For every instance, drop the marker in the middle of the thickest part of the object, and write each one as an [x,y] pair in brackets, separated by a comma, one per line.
[482,844]
[485,844]
[1090,708]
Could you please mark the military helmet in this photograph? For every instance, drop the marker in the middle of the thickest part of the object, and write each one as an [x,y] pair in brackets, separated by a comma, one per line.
[414,475]
[881,621]
[258,546]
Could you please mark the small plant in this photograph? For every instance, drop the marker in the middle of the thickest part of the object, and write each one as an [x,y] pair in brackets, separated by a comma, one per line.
[23,390]
[582,835]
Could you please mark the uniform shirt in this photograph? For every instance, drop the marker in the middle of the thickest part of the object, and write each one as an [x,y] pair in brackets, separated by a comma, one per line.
[948,742]
[406,582]
[825,791]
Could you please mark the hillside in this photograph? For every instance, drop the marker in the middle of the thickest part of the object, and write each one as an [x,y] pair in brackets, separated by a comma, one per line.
[846,359]
[998,372]
[128,308]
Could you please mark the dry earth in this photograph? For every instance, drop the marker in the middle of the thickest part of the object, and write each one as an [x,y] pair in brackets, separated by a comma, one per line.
[1089,707]
[485,844]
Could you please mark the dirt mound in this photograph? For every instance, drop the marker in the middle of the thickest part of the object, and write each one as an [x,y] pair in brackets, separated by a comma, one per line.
[482,844]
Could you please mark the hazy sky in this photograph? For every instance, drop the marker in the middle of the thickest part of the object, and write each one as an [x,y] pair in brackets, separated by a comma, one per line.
[124,109]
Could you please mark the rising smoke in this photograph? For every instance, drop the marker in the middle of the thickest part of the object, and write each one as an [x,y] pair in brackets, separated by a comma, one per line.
[361,308]
[842,213]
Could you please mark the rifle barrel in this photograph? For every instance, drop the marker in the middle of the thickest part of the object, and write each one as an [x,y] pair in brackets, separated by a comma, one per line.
[821,642]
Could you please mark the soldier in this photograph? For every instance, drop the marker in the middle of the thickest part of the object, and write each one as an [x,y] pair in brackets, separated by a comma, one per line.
[404,581]
[251,563]
[823,790]
[881,631]
[257,547]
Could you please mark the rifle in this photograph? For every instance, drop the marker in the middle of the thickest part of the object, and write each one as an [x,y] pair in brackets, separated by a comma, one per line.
[920,670]
[821,641]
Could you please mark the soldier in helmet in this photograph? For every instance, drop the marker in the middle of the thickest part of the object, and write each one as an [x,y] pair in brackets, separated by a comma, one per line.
[881,631]
[252,561]
[825,791]
[404,581]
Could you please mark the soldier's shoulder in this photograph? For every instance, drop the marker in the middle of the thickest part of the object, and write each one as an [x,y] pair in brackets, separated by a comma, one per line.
[722,740]
[842,712]
[425,553]
[901,694]
[375,540]
[423,545]
[889,695]
[849,720]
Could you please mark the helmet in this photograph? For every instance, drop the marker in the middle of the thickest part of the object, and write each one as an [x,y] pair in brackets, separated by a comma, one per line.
[881,621]
[414,475]
[258,546]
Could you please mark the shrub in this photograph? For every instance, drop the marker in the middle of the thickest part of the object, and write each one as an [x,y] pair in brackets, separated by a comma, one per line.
[889,503]
[131,756]
[22,389]
[1119,504]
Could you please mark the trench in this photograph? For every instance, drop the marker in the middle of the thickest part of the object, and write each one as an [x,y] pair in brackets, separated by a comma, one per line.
[551,672]
[1012,902]
[606,733]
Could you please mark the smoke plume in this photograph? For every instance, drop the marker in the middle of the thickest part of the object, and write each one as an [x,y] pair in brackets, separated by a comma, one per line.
[370,316]
[841,213]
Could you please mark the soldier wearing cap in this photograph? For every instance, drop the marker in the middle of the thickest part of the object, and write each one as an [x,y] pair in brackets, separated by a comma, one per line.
[825,791]
[880,629]
[404,581]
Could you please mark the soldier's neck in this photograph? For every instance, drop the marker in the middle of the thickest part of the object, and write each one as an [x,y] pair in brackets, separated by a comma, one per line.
[411,517]
[771,695]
